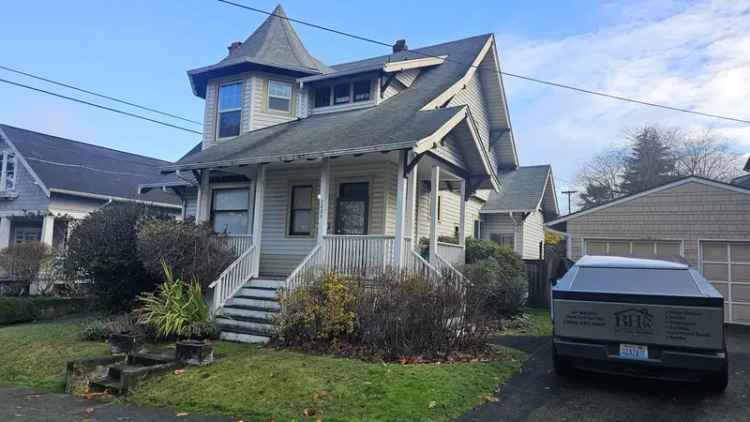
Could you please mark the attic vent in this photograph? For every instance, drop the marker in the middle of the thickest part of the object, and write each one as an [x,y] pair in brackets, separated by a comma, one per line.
[399,46]
[233,46]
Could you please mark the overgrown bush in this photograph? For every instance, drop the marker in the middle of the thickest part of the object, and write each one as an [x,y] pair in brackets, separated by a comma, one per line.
[190,250]
[504,291]
[102,329]
[103,248]
[497,272]
[399,316]
[174,306]
[24,262]
[24,309]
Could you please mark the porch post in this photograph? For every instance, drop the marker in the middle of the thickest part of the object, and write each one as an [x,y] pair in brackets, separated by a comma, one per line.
[325,170]
[411,205]
[398,245]
[4,232]
[435,188]
[462,216]
[48,229]
[260,188]
[204,190]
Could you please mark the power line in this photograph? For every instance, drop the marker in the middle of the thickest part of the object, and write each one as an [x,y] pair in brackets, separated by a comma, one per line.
[512,75]
[126,113]
[107,97]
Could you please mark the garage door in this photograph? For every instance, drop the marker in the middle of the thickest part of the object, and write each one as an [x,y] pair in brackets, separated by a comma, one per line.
[637,248]
[727,266]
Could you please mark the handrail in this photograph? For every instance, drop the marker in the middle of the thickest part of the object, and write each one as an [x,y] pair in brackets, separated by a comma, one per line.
[449,271]
[233,277]
[293,280]
[239,243]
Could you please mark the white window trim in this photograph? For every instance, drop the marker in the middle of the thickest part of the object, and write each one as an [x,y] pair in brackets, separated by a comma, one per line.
[4,175]
[234,185]
[219,110]
[728,301]
[269,96]
[351,103]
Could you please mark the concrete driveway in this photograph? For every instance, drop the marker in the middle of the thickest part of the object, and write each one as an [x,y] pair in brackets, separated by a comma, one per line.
[538,394]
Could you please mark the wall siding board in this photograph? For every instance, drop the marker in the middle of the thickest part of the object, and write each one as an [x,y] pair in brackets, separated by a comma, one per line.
[504,224]
[30,197]
[688,212]
[533,233]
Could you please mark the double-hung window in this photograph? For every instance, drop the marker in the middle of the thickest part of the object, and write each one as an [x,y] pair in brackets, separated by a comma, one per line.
[27,234]
[279,96]
[230,210]
[8,175]
[352,208]
[300,211]
[230,109]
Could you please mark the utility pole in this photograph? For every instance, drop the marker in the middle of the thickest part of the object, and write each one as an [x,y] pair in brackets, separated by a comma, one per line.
[569,193]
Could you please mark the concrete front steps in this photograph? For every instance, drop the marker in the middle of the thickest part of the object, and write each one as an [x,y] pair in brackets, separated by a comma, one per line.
[127,374]
[248,316]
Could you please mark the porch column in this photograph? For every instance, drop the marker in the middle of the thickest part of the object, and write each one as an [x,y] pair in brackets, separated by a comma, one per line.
[4,232]
[48,229]
[435,188]
[411,205]
[260,188]
[325,171]
[398,245]
[462,216]
[204,200]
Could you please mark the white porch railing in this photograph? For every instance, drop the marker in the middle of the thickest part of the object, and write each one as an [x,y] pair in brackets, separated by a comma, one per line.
[233,278]
[239,243]
[308,269]
[448,272]
[452,253]
[367,256]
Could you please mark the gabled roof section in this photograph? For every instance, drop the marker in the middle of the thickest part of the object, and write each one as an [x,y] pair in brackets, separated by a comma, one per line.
[743,181]
[275,44]
[76,168]
[665,186]
[522,190]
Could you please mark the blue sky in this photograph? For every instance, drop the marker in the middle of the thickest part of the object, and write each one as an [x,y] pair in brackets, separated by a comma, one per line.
[687,54]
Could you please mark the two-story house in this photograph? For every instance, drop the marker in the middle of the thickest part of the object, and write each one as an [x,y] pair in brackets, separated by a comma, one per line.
[345,167]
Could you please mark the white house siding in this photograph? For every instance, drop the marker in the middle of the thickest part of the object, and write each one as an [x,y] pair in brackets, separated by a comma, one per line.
[473,96]
[689,212]
[407,77]
[30,197]
[533,234]
[382,179]
[473,205]
[281,253]
[502,223]
[261,116]
[449,212]
[450,150]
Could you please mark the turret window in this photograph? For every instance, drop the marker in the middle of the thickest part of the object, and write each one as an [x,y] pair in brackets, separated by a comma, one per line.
[279,96]
[230,109]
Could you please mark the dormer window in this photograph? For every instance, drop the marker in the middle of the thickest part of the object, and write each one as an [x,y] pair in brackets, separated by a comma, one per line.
[343,93]
[230,109]
[280,96]
[8,176]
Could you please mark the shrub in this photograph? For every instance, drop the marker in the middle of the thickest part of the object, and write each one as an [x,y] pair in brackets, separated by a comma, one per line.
[190,250]
[201,330]
[504,289]
[102,329]
[173,307]
[397,316]
[24,309]
[24,261]
[102,248]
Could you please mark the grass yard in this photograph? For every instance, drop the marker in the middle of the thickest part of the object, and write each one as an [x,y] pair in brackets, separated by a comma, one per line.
[260,384]
[35,354]
[536,322]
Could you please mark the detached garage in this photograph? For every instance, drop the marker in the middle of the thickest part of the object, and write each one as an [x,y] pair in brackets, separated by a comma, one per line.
[705,222]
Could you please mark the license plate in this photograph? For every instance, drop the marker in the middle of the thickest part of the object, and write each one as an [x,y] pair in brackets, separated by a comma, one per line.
[633,351]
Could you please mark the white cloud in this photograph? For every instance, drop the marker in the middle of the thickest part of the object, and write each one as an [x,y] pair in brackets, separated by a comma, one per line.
[695,57]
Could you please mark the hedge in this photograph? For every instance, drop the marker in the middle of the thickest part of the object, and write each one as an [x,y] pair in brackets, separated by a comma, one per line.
[24,309]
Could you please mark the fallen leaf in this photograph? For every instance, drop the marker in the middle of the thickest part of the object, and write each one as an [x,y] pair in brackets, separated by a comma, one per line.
[33,396]
[432,404]
[88,410]
[179,371]
[309,412]
[182,414]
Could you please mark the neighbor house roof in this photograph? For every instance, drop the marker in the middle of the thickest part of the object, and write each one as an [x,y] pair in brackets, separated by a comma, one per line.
[397,123]
[274,44]
[665,186]
[523,190]
[76,168]
[743,181]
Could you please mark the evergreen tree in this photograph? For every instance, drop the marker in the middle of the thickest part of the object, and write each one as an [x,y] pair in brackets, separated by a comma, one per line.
[595,194]
[650,163]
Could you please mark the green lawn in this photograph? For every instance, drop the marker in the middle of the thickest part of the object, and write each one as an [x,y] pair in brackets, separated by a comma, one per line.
[35,354]
[536,322]
[261,384]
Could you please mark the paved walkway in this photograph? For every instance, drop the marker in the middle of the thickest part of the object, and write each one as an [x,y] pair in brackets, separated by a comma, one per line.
[538,394]
[23,404]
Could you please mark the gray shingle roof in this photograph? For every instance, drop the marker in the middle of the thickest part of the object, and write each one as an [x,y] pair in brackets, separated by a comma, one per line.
[274,44]
[390,125]
[79,167]
[521,189]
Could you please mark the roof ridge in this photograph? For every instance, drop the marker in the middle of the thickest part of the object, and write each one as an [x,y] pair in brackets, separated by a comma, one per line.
[4,125]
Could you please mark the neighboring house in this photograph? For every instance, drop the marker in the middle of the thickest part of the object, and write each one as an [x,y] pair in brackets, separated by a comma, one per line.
[703,221]
[46,182]
[340,167]
[515,216]
[743,180]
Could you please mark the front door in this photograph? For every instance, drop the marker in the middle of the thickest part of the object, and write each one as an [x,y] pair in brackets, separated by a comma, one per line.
[352,204]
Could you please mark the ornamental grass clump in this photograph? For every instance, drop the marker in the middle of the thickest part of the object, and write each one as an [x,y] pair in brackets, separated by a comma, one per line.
[174,308]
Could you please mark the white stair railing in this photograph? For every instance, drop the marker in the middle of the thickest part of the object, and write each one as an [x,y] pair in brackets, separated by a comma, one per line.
[233,278]
[449,273]
[238,243]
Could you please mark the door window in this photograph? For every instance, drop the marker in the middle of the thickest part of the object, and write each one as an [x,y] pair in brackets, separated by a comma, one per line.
[352,208]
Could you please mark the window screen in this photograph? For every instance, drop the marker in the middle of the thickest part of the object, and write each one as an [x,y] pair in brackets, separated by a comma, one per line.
[230,210]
